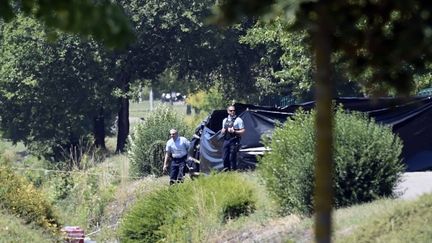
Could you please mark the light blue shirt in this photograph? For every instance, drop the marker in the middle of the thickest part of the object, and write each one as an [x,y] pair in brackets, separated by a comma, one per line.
[238,122]
[177,148]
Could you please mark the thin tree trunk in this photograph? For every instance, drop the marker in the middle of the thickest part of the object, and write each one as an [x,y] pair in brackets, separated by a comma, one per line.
[99,130]
[151,98]
[323,194]
[171,98]
[123,115]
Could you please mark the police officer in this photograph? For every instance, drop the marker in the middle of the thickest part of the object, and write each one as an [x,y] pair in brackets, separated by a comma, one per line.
[232,129]
[177,149]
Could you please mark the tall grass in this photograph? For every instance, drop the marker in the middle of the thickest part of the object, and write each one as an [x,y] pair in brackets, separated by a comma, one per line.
[91,191]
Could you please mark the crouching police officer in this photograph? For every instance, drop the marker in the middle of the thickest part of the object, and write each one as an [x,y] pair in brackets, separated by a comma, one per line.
[177,149]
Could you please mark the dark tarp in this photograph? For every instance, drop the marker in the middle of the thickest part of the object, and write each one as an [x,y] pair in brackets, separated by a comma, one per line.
[411,119]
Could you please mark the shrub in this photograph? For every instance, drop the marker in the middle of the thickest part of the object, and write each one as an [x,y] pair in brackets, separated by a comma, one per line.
[188,212]
[20,197]
[148,139]
[366,161]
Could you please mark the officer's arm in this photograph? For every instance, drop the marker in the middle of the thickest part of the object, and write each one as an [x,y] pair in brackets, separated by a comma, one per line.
[223,130]
[165,165]
[239,131]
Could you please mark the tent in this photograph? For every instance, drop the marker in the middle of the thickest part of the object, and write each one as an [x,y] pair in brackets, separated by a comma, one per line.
[411,120]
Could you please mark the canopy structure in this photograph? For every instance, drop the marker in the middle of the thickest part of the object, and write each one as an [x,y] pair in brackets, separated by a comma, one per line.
[410,119]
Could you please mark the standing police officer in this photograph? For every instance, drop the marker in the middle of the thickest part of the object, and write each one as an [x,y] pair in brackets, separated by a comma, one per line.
[232,129]
[177,149]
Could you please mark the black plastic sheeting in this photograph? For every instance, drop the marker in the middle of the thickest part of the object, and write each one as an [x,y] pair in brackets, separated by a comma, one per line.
[411,120]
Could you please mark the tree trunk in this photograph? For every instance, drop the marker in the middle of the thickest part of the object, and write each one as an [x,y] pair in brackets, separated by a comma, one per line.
[151,98]
[123,114]
[323,194]
[188,109]
[171,98]
[99,130]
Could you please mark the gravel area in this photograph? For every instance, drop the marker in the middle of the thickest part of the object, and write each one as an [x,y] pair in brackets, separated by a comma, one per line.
[415,184]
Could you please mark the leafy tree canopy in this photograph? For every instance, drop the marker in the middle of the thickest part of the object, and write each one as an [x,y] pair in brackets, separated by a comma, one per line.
[51,93]
[383,43]
[101,19]
[286,66]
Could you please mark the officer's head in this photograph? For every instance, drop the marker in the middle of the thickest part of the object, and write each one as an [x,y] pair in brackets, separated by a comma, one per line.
[231,110]
[173,133]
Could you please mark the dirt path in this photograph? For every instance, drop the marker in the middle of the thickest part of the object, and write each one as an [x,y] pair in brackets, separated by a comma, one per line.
[273,231]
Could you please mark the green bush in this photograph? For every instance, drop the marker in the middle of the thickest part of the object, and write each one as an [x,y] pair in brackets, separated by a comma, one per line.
[366,161]
[189,212]
[60,185]
[148,139]
[20,197]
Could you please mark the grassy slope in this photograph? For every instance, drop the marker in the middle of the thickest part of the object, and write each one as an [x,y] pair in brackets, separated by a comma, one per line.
[13,230]
[394,221]
[386,220]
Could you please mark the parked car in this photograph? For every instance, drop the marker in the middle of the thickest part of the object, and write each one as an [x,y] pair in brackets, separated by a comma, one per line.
[173,96]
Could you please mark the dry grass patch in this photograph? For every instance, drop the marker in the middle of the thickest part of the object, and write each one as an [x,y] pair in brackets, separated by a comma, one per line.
[270,230]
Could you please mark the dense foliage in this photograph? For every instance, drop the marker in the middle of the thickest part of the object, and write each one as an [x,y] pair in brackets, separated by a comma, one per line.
[53,94]
[361,33]
[367,164]
[103,20]
[286,67]
[147,141]
[21,198]
[188,212]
